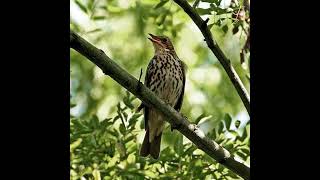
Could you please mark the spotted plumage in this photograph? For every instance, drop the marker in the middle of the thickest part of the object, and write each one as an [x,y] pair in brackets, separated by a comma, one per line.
[166,78]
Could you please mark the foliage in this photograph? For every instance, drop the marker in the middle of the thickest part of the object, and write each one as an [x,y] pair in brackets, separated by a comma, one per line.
[106,132]
[109,149]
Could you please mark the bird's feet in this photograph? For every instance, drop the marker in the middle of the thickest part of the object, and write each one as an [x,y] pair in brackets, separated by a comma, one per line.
[177,126]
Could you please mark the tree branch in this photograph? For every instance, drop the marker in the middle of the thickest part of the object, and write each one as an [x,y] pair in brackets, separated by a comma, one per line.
[214,47]
[191,131]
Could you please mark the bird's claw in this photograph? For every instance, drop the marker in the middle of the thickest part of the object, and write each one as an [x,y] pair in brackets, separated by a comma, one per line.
[175,127]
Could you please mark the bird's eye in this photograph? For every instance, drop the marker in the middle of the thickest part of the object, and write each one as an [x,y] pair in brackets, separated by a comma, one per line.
[164,40]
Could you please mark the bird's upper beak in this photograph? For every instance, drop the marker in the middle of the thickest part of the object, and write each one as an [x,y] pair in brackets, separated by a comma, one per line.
[154,39]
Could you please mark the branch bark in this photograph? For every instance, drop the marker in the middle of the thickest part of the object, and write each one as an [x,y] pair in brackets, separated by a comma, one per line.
[191,131]
[214,47]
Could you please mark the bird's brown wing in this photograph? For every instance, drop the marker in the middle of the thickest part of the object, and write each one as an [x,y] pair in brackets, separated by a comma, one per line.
[147,81]
[180,100]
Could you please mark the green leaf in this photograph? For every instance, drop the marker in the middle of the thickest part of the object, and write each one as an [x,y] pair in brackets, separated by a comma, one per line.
[229,146]
[133,119]
[116,118]
[95,30]
[208,1]
[202,11]
[199,118]
[122,129]
[90,4]
[244,135]
[218,22]
[227,120]
[235,29]
[96,174]
[235,133]
[93,140]
[242,155]
[127,102]
[121,149]
[161,3]
[128,139]
[75,144]
[142,125]
[178,146]
[97,18]
[105,123]
[237,123]
[113,133]
[125,116]
[81,6]
[95,122]
[160,20]
[189,151]
[212,135]
[225,28]
[231,174]
[248,77]
[211,25]
[217,9]
[79,125]
[246,151]
[220,127]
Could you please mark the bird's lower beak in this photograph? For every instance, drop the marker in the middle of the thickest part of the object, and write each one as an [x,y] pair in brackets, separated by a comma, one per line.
[154,38]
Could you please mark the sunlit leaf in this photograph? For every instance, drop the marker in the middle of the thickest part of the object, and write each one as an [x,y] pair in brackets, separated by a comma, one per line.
[199,118]
[96,174]
[228,120]
[237,123]
[161,3]
[97,18]
[202,11]
[75,144]
[242,155]
[81,6]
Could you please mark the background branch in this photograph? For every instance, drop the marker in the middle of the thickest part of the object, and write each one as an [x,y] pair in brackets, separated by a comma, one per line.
[214,47]
[191,131]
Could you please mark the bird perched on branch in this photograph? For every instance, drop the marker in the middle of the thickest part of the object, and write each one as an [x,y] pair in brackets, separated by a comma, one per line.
[165,76]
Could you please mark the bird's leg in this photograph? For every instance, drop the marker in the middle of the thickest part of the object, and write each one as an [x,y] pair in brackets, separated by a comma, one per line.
[139,83]
[175,127]
[138,89]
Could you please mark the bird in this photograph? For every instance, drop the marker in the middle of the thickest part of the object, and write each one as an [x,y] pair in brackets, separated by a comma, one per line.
[166,77]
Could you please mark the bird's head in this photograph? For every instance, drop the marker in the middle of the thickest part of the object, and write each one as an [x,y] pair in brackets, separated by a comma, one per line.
[161,43]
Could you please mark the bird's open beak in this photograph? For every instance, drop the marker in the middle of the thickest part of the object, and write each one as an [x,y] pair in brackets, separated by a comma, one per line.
[154,39]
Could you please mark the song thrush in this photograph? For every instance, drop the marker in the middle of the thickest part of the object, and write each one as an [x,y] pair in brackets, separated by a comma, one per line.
[165,76]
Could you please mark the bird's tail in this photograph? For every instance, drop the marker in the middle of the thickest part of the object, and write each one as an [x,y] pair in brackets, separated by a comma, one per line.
[152,148]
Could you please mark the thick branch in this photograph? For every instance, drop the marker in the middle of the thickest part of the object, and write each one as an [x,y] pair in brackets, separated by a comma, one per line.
[192,132]
[214,47]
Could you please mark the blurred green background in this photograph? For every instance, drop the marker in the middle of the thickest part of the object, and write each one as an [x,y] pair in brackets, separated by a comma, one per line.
[100,107]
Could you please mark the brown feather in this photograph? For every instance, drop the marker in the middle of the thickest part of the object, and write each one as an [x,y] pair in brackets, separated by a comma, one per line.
[155,147]
[145,148]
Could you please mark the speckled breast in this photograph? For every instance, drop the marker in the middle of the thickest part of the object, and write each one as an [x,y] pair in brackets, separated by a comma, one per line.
[166,78]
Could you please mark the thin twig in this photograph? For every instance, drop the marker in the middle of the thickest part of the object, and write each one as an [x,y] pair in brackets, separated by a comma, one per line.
[214,47]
